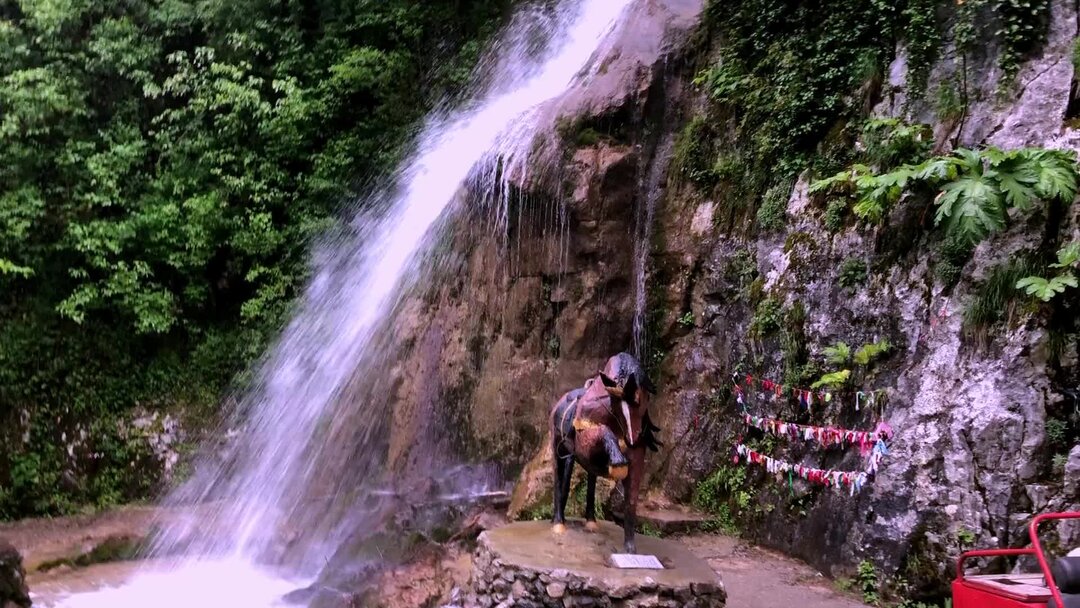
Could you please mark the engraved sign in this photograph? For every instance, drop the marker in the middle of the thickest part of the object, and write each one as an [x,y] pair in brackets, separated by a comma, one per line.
[627,560]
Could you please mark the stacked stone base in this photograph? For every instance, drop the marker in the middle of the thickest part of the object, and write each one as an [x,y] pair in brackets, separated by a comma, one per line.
[526,565]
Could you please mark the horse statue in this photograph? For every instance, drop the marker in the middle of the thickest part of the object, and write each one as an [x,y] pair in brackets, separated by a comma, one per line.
[605,427]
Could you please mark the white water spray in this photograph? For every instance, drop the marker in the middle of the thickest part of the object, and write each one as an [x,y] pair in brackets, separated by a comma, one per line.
[358,279]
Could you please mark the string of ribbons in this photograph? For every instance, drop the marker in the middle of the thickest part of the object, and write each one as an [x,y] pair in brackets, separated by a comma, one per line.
[852,480]
[826,436]
[807,397]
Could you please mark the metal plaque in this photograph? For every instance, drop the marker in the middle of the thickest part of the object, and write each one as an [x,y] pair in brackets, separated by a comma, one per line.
[627,560]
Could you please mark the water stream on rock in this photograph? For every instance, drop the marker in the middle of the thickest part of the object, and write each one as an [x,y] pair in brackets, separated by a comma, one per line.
[289,421]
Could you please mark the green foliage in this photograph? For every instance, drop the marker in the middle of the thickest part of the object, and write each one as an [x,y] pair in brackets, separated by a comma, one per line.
[540,512]
[852,272]
[687,320]
[772,214]
[996,295]
[1046,289]
[866,579]
[834,215]
[867,353]
[837,354]
[1058,462]
[648,529]
[965,538]
[694,156]
[947,603]
[948,102]
[833,380]
[163,167]
[1022,26]
[1056,430]
[872,195]
[790,71]
[742,269]
[975,188]
[767,317]
[923,43]
[890,142]
[953,253]
[723,494]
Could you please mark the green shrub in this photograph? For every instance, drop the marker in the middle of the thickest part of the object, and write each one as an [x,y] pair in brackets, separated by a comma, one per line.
[835,213]
[767,318]
[1055,430]
[866,578]
[852,272]
[1058,462]
[772,215]
[694,155]
[952,254]
[995,296]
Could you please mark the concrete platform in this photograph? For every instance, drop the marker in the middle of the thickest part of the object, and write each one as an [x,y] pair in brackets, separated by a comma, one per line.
[669,520]
[527,564]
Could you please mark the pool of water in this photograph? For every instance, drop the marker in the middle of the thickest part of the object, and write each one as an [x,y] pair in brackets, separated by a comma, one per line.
[222,583]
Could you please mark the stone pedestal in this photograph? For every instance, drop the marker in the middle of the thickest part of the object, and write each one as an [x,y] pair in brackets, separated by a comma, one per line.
[526,565]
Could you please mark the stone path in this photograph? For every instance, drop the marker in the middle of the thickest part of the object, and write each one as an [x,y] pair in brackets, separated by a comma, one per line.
[757,578]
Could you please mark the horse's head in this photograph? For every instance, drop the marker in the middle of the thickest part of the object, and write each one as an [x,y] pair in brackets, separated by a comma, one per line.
[625,381]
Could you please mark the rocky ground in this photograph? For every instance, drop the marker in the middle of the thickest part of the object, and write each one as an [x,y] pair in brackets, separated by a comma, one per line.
[753,577]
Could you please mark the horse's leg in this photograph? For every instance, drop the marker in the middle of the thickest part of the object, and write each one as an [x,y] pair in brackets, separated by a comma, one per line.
[590,504]
[557,515]
[564,473]
[631,489]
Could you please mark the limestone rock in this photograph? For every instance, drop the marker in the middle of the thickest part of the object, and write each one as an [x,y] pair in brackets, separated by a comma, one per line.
[13,589]
[534,485]
[1072,474]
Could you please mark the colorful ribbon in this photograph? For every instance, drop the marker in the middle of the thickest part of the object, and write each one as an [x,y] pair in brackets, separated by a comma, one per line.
[852,480]
[823,435]
[807,398]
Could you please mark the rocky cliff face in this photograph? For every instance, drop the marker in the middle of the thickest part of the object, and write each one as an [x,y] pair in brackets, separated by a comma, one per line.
[536,307]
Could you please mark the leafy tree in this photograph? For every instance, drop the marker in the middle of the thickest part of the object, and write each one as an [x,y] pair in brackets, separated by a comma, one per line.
[163,167]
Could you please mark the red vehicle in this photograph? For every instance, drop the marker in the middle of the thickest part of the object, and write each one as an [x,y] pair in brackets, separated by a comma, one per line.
[1060,583]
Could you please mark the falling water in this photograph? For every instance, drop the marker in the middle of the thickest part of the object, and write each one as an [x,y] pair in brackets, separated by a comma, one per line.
[288,415]
[654,191]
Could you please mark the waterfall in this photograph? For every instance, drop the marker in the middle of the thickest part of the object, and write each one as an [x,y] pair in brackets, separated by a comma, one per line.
[289,417]
[653,187]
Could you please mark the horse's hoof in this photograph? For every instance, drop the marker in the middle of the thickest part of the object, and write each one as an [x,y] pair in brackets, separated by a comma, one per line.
[618,473]
[592,526]
[559,528]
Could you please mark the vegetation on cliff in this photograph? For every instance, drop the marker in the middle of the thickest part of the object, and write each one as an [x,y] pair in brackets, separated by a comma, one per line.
[794,94]
[163,166]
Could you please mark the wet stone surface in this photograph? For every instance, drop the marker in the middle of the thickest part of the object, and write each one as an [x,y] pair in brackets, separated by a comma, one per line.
[526,565]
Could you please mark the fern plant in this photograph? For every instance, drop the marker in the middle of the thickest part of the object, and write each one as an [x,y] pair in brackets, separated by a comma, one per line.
[837,354]
[833,380]
[869,352]
[1045,289]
